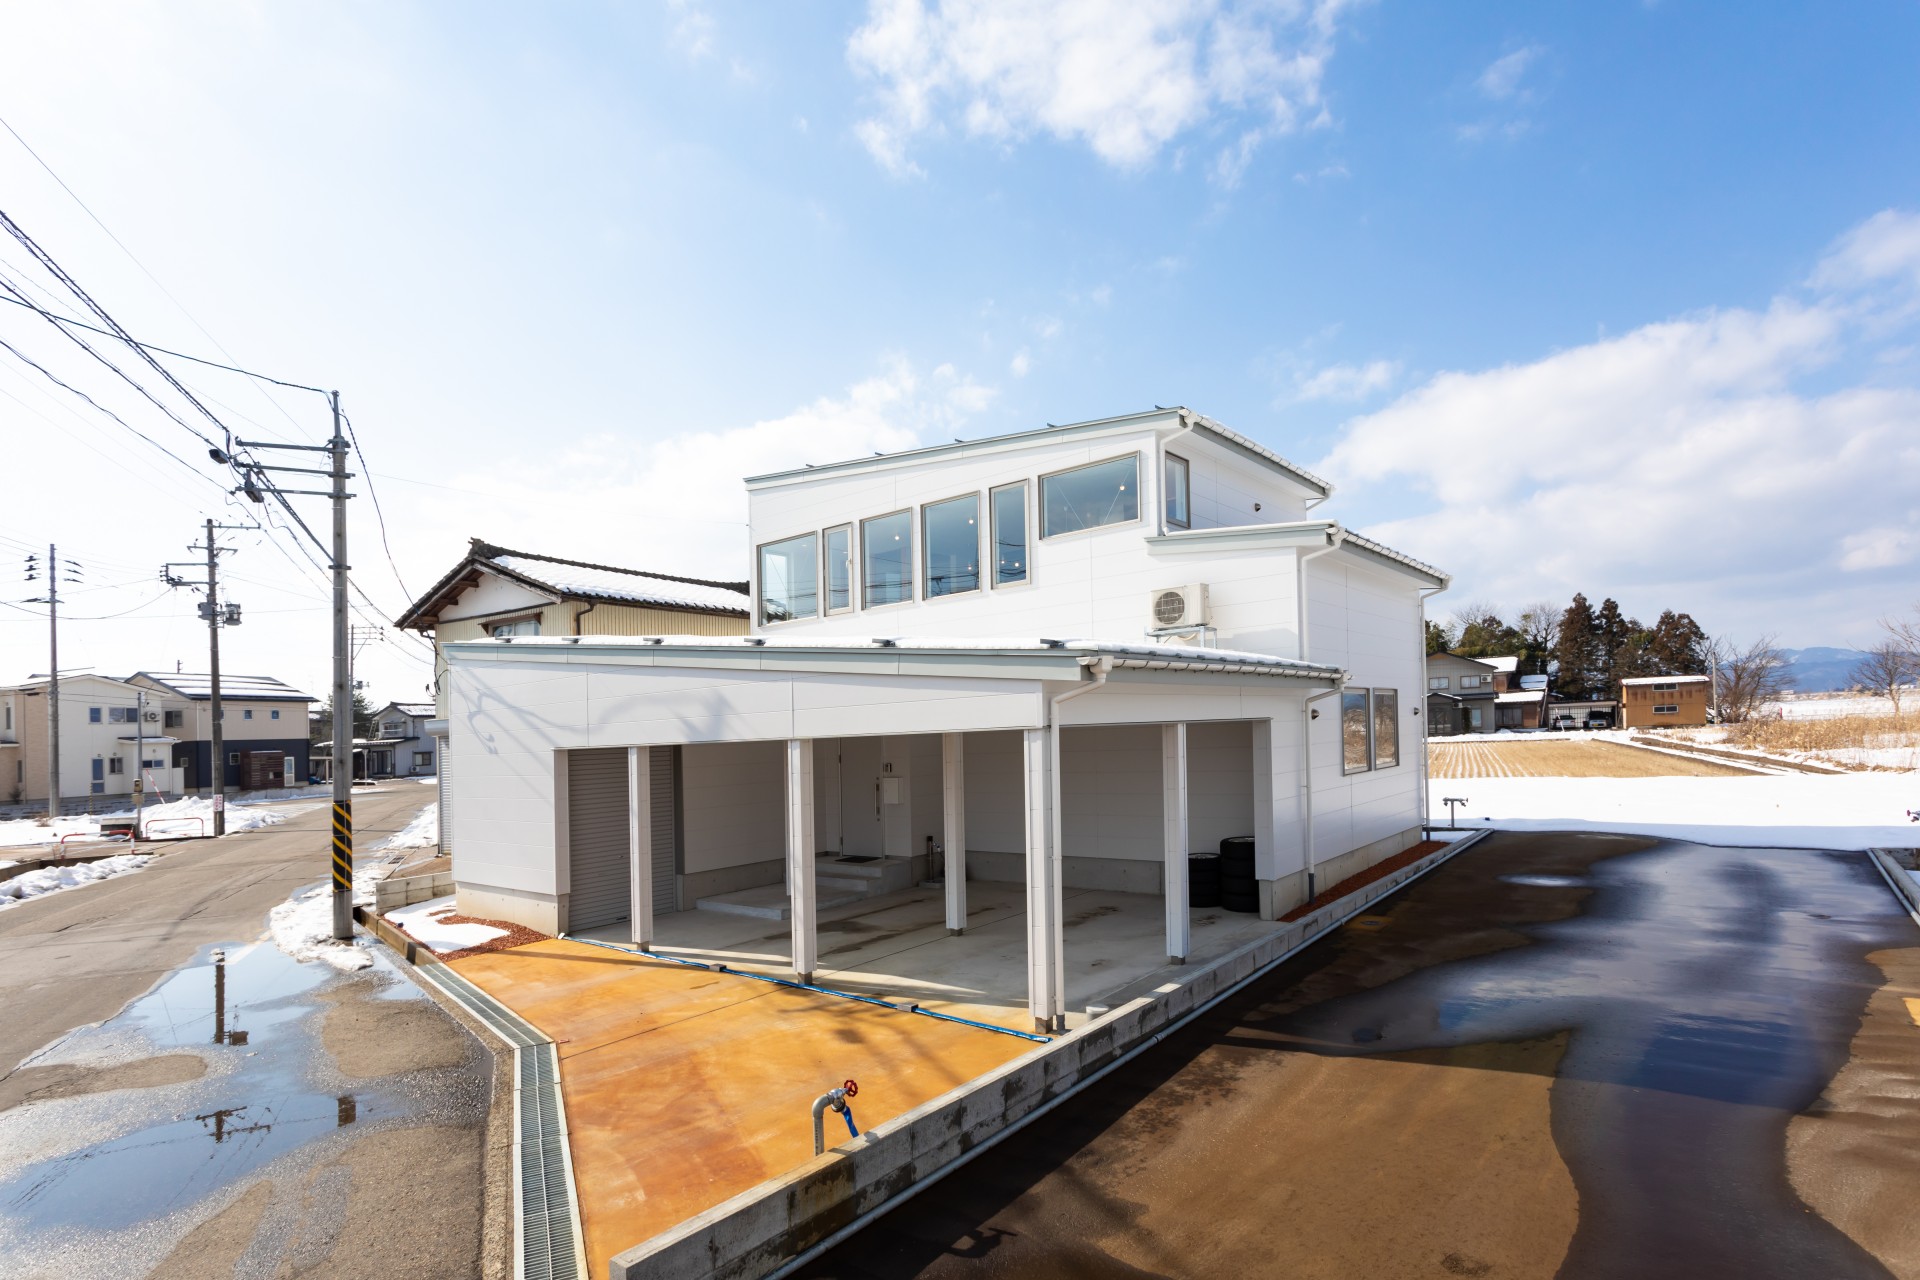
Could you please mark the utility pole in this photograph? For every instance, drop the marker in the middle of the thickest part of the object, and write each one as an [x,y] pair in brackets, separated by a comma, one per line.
[139,759]
[213,667]
[53,682]
[342,693]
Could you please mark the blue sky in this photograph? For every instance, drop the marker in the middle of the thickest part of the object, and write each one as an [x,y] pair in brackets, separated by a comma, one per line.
[1614,298]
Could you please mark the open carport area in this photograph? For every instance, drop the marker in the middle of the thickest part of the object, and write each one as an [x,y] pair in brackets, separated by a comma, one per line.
[1574,1055]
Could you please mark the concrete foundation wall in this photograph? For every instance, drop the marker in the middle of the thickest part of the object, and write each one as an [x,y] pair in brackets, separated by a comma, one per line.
[539,911]
[404,891]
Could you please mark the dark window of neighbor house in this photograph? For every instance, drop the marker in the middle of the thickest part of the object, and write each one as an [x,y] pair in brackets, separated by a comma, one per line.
[122,715]
[174,719]
[273,715]
[886,559]
[518,627]
[423,759]
[1436,682]
[790,579]
[116,765]
[1179,493]
[840,569]
[1386,728]
[950,531]
[1009,534]
[1088,497]
[1355,727]
[1668,709]
[93,715]
[1470,682]
[247,714]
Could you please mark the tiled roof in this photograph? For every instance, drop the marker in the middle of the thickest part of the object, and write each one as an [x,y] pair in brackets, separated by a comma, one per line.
[198,685]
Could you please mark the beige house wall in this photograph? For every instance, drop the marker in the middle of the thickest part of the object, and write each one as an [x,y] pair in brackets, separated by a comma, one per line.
[1637,702]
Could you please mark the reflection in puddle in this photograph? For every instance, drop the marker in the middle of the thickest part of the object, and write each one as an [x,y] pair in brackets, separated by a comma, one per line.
[1546,882]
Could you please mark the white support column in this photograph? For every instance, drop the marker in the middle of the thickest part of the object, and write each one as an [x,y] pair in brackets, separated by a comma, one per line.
[953,795]
[1266,830]
[1043,916]
[800,852]
[1173,811]
[640,842]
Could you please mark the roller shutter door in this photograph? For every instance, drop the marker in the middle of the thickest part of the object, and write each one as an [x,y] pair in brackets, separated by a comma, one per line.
[664,788]
[445,788]
[598,891]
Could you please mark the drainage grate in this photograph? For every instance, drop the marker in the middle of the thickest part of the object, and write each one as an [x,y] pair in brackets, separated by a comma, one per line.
[547,1237]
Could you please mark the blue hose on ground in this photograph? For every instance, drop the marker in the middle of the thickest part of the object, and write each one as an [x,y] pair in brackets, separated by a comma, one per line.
[804,986]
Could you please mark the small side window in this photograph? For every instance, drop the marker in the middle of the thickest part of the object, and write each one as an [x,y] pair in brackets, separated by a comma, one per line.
[1010,551]
[1356,753]
[1386,728]
[1179,493]
[789,579]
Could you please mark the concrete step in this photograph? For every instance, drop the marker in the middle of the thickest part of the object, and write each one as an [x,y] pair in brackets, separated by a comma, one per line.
[824,884]
[769,902]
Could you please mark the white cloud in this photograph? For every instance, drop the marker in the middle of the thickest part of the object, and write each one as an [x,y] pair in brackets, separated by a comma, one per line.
[1886,247]
[1346,381]
[1684,455]
[692,28]
[677,505]
[1123,79]
[1020,363]
[1501,80]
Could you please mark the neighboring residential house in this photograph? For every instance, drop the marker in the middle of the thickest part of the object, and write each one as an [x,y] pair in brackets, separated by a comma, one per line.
[102,722]
[1066,657]
[263,729]
[404,724]
[1460,693]
[1598,713]
[497,592]
[1663,702]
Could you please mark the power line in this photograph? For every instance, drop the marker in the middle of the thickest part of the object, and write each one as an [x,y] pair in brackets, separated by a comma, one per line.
[367,472]
[56,317]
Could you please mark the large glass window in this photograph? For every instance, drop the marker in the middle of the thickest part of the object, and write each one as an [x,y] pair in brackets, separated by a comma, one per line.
[1354,753]
[886,559]
[951,533]
[1386,728]
[1088,497]
[790,579]
[1010,534]
[840,569]
[1178,493]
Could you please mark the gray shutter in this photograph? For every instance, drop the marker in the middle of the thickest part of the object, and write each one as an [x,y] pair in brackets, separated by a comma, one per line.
[445,788]
[665,790]
[597,838]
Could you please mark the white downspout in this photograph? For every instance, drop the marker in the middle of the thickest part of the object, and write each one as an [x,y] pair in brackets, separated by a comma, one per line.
[1426,814]
[1335,536]
[1058,855]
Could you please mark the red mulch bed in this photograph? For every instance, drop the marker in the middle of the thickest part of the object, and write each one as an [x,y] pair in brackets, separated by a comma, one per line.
[1367,877]
[518,935]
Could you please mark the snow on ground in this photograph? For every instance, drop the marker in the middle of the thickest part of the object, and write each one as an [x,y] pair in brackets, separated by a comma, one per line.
[302,926]
[422,833]
[1793,811]
[424,924]
[428,782]
[175,819]
[35,884]
[18,832]
[1829,708]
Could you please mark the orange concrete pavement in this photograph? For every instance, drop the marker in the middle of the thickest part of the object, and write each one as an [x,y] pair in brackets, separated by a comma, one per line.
[686,1087]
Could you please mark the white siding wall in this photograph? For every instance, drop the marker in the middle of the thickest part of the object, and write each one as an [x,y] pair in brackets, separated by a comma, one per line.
[1219,783]
[1110,792]
[995,793]
[734,804]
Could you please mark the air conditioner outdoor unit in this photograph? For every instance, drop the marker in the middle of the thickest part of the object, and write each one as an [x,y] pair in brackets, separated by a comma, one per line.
[150,716]
[1174,608]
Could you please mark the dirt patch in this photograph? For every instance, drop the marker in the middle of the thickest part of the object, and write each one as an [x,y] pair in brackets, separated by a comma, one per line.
[1852,1157]
[67,1080]
[215,1247]
[1565,758]
[1378,870]
[423,866]
[373,1038]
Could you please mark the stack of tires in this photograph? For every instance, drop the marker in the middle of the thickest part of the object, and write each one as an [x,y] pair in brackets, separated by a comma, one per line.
[1239,891]
[1203,880]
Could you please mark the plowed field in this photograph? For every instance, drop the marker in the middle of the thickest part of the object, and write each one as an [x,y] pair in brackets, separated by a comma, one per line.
[1564,758]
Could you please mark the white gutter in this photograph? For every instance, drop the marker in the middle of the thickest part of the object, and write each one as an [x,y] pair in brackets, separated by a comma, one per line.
[1335,536]
[1056,859]
[1420,708]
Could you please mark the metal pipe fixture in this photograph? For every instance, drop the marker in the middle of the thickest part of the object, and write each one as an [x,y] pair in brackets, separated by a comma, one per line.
[837,1099]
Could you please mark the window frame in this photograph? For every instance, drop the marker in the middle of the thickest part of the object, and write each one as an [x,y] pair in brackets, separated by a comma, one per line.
[1186,489]
[1040,490]
[247,714]
[1027,489]
[1366,719]
[1373,729]
[1671,686]
[494,626]
[760,618]
[912,596]
[94,715]
[1667,709]
[926,547]
[1438,682]
[827,609]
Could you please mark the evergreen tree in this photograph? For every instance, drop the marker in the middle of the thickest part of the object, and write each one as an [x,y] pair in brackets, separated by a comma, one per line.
[1577,650]
[362,716]
[1438,641]
[1484,635]
[1612,630]
[1678,645]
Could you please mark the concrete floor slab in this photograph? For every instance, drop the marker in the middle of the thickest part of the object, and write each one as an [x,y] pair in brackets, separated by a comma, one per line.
[685,1087]
[896,946]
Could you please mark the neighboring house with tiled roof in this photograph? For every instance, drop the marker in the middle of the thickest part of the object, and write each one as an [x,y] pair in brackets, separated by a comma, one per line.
[498,592]
[263,727]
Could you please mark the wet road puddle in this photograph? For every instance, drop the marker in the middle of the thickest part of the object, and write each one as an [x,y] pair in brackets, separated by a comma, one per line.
[90,1173]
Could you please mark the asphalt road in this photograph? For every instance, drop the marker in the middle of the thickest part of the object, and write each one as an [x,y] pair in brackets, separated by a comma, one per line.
[1578,1056]
[346,1131]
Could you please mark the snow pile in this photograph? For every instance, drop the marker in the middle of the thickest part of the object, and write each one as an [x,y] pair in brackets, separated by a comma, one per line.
[35,884]
[25,831]
[302,926]
[194,816]
[423,923]
[1792,811]
[422,833]
[428,782]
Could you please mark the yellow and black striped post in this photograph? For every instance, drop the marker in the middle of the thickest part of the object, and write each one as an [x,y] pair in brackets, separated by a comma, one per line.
[343,868]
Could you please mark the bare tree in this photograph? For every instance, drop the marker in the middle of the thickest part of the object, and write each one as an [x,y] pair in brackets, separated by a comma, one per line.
[1745,680]
[1886,670]
[1540,625]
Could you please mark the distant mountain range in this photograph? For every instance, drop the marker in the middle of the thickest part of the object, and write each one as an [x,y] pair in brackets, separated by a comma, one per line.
[1821,670]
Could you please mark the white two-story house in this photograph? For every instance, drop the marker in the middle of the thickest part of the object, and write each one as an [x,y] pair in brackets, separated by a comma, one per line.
[1059,660]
